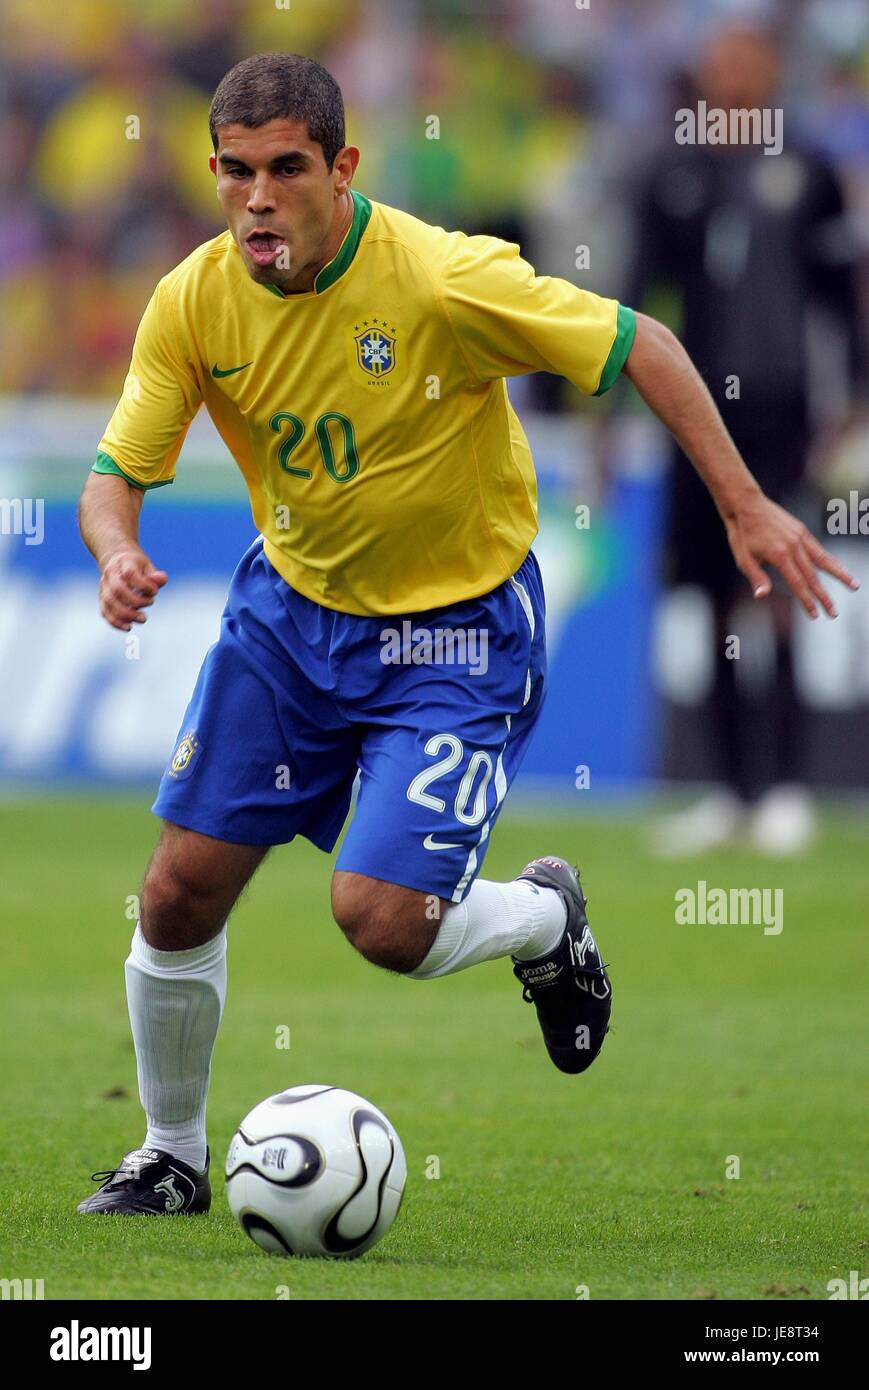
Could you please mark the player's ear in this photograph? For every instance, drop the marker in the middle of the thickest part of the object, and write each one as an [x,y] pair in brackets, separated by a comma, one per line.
[212,164]
[346,161]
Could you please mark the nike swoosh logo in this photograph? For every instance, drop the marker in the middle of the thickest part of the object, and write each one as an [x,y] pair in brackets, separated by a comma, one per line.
[229,371]
[429,843]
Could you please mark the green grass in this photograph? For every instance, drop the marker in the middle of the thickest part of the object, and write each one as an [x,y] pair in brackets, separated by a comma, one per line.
[724,1042]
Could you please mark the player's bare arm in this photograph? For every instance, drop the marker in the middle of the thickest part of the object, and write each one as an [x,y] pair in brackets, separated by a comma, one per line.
[759,531]
[108,517]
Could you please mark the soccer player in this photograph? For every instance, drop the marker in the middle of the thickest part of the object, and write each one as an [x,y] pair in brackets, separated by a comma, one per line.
[389,620]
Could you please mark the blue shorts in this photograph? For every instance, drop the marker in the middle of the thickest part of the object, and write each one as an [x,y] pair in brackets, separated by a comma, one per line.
[434,710]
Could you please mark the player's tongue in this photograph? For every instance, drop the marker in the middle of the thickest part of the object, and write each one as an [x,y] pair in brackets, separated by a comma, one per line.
[264,247]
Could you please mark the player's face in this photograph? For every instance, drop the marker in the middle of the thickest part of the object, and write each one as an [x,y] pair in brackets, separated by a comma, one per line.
[282,204]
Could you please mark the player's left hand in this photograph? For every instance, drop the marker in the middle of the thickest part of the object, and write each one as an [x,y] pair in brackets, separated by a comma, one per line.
[762,532]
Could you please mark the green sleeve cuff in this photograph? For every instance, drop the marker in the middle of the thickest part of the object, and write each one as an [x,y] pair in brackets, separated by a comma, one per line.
[626,327]
[106,464]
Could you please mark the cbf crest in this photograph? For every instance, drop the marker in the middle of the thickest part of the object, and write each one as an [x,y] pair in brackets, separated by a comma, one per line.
[375,341]
[182,758]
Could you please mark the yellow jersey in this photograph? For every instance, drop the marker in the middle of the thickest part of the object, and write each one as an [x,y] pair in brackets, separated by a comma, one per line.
[387,471]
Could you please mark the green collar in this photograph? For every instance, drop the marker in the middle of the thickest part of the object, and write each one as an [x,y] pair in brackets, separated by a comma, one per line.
[346,251]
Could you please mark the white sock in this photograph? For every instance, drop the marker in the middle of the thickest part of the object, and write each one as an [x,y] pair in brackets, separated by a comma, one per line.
[175,1000]
[495,919]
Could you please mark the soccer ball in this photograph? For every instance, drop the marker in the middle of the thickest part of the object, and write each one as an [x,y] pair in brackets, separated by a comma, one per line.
[315,1170]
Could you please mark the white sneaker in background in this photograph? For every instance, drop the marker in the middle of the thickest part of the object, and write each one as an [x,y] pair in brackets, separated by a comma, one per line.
[709,822]
[784,822]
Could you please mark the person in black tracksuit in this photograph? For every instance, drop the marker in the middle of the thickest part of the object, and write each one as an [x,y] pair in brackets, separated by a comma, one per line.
[750,241]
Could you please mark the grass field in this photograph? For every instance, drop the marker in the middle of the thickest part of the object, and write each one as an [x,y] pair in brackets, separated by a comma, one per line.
[725,1041]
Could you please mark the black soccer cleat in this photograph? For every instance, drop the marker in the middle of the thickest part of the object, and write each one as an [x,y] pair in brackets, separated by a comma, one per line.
[569,986]
[150,1182]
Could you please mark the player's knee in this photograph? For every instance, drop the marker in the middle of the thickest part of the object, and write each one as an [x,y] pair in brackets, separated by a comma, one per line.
[382,921]
[175,911]
[357,911]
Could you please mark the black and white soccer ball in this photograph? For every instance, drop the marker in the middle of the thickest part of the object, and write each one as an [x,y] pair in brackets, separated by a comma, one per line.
[315,1170]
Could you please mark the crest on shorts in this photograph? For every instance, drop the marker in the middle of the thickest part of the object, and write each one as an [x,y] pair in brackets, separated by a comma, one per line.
[375,348]
[185,751]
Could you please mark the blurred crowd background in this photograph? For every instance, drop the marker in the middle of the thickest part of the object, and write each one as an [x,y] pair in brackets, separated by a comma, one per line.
[555,126]
[548,114]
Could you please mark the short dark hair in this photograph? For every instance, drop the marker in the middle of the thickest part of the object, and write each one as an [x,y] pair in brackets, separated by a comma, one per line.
[281,86]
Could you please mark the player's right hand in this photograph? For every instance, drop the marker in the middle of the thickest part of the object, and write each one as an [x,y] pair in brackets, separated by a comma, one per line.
[128,584]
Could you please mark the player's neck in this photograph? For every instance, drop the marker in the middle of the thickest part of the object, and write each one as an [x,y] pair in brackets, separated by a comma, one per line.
[303,282]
